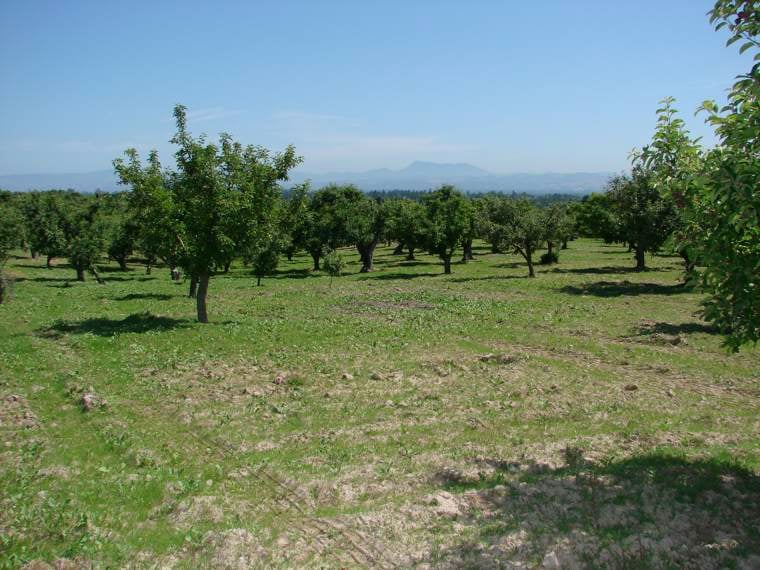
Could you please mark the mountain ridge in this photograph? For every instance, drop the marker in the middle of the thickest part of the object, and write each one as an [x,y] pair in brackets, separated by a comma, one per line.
[418,175]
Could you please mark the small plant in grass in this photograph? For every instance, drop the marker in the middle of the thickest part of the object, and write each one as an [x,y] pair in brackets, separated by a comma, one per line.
[549,257]
[334,264]
[265,261]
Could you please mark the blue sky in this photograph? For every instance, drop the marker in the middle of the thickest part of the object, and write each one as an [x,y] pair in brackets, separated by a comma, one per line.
[508,86]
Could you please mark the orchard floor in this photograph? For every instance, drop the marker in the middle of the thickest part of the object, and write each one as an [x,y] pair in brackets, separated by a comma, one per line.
[400,418]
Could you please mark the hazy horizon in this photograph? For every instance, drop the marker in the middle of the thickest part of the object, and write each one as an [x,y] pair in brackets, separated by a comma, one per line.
[356,87]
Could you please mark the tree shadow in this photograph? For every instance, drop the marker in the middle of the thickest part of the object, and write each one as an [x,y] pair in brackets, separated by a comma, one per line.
[395,276]
[623,288]
[135,323]
[675,329]
[136,296]
[653,510]
[111,269]
[607,270]
[130,278]
[512,265]
[295,274]
[487,278]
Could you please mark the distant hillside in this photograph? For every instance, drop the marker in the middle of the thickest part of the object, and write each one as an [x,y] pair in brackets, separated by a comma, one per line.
[416,176]
[428,175]
[82,181]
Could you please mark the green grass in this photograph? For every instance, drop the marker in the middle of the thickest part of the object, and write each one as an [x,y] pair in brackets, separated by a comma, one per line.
[608,426]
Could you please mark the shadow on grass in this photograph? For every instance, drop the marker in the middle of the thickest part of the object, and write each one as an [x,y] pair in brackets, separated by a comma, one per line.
[654,510]
[144,296]
[395,276]
[673,329]
[296,274]
[111,269]
[512,265]
[623,288]
[488,278]
[135,323]
[607,270]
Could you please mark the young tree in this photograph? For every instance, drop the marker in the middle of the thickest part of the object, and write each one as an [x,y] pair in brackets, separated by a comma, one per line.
[265,259]
[85,238]
[334,264]
[121,241]
[595,218]
[447,219]
[405,224]
[723,201]
[45,222]
[219,202]
[11,229]
[294,220]
[150,207]
[326,226]
[645,217]
[673,159]
[519,226]
[365,221]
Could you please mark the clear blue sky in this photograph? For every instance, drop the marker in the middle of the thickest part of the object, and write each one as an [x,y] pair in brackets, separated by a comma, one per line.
[508,86]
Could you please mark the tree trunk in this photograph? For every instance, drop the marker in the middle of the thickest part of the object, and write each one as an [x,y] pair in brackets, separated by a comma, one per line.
[289,254]
[2,288]
[35,254]
[147,268]
[447,265]
[529,259]
[640,260]
[549,249]
[467,251]
[97,276]
[367,253]
[193,286]
[564,244]
[315,257]
[399,248]
[122,263]
[200,299]
[688,264]
[258,281]
[410,256]
[227,267]
[80,274]
[49,262]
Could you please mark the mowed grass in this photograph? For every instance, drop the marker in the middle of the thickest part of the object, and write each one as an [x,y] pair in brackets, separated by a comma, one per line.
[390,419]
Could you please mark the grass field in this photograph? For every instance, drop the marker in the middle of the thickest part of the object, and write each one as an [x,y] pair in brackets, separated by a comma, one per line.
[392,419]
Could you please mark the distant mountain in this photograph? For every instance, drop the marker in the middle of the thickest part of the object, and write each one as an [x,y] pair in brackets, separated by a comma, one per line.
[469,178]
[104,180]
[416,176]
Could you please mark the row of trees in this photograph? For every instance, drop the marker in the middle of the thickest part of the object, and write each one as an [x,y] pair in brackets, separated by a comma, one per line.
[224,201]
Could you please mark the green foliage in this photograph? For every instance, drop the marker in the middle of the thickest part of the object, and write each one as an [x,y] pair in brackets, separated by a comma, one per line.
[406,224]
[220,201]
[645,217]
[594,218]
[11,231]
[672,160]
[517,225]
[448,216]
[45,220]
[86,237]
[265,259]
[334,264]
[723,208]
[294,221]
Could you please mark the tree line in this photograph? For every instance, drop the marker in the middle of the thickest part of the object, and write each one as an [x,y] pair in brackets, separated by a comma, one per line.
[224,201]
